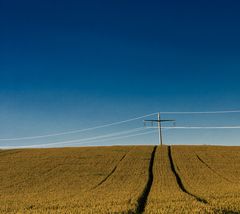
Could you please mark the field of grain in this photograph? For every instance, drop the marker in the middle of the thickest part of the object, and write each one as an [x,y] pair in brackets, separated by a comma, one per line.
[212,174]
[121,179]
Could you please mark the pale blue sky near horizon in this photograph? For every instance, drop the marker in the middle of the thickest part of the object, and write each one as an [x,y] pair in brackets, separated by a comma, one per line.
[67,65]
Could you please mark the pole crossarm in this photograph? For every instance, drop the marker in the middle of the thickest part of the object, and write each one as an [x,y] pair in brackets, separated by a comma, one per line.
[159,122]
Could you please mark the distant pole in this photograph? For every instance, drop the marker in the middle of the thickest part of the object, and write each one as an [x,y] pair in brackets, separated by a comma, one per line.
[159,126]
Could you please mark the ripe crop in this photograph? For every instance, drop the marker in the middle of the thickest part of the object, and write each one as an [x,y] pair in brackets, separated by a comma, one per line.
[121,179]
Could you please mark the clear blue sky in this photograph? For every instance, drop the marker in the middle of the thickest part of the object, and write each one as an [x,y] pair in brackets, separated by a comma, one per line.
[74,64]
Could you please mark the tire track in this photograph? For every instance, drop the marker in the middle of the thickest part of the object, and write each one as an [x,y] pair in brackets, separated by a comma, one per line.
[8,152]
[110,174]
[179,180]
[143,198]
[214,171]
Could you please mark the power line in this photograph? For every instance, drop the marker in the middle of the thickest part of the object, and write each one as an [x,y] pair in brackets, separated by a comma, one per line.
[207,127]
[198,127]
[78,142]
[76,131]
[159,127]
[113,124]
[201,112]
[127,136]
[91,138]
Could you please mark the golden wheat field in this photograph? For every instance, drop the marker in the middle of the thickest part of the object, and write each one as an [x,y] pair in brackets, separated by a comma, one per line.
[121,179]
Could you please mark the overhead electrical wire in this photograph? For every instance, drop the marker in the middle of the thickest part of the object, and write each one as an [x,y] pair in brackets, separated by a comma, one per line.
[117,138]
[201,112]
[86,141]
[114,124]
[114,134]
[199,127]
[76,131]
[207,127]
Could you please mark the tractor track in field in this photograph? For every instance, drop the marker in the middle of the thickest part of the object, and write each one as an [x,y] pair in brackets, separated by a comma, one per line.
[214,171]
[142,201]
[179,180]
[110,174]
[8,152]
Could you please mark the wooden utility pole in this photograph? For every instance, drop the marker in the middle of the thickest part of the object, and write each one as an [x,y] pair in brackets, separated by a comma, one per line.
[159,123]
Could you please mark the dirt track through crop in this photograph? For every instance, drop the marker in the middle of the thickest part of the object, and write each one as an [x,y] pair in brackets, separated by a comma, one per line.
[134,179]
[143,198]
[110,174]
[215,172]
[179,180]
[8,152]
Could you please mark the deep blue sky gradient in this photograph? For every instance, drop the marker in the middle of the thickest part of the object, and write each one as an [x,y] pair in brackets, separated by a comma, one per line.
[73,64]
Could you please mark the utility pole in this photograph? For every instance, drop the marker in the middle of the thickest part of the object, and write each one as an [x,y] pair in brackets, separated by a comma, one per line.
[160,130]
[159,123]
